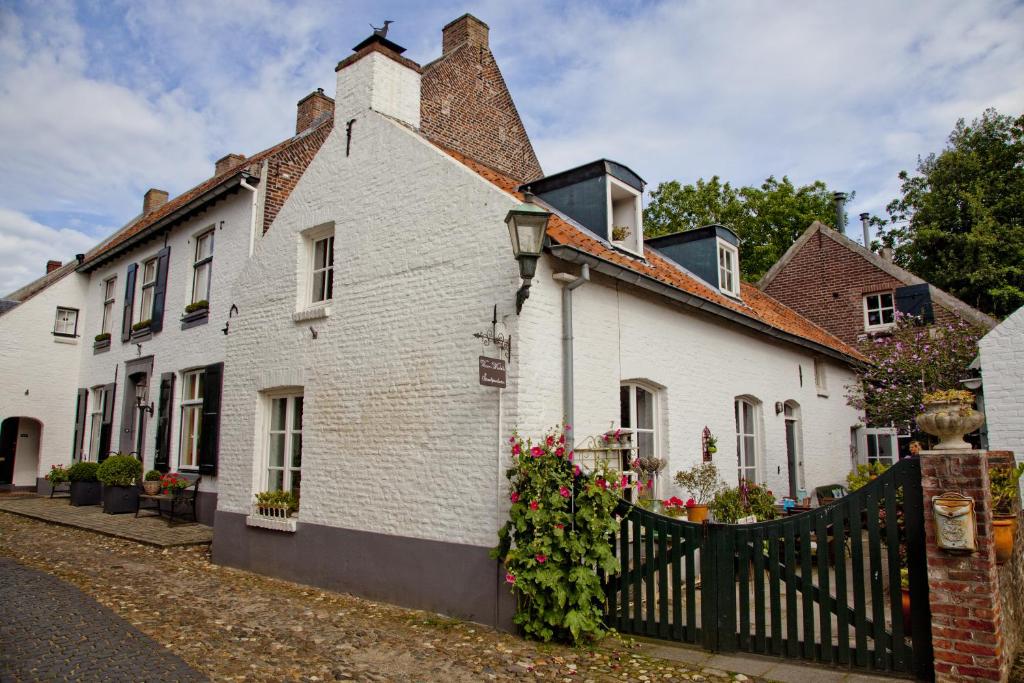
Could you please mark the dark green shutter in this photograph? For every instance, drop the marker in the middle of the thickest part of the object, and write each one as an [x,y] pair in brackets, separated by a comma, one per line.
[209,436]
[162,459]
[915,300]
[160,289]
[129,301]
[107,424]
[81,405]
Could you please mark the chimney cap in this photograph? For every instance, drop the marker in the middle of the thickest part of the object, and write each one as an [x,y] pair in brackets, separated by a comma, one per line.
[839,195]
[53,265]
[865,215]
[379,40]
[319,92]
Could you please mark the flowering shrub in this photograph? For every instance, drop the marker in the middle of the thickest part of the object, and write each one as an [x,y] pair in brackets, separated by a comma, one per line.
[674,506]
[557,539]
[58,474]
[174,482]
[863,474]
[730,505]
[912,361]
[701,481]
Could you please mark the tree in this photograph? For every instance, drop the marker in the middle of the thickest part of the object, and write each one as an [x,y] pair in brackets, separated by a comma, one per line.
[767,219]
[960,222]
[912,361]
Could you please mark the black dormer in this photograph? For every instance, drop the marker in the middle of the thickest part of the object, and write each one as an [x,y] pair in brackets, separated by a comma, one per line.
[710,252]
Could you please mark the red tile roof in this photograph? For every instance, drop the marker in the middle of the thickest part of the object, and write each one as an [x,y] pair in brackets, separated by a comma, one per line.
[755,304]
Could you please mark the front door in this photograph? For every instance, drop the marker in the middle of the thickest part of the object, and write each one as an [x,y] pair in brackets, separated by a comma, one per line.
[792,452]
[8,445]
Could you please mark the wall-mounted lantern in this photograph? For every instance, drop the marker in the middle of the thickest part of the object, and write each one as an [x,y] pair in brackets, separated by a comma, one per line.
[954,521]
[142,401]
[527,225]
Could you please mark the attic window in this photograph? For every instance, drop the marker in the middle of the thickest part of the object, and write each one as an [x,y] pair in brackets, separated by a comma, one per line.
[625,227]
[728,268]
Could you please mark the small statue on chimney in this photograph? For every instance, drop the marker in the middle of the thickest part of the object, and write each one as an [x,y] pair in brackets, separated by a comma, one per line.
[382,31]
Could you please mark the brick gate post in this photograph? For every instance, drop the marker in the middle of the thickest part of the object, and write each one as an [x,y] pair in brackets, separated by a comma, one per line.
[963,588]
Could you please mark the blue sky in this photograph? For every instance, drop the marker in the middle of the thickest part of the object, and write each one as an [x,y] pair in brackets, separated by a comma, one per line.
[101,99]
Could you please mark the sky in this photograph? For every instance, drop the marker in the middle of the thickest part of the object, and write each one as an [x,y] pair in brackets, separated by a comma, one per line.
[102,99]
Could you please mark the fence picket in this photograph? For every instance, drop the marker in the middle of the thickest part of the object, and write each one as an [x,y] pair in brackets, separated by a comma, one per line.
[825,555]
[841,604]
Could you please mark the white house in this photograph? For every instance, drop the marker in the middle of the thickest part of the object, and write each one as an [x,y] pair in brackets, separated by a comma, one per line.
[351,369]
[1001,353]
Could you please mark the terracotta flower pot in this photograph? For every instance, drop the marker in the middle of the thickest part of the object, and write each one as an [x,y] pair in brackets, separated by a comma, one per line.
[152,487]
[1003,529]
[949,420]
[697,513]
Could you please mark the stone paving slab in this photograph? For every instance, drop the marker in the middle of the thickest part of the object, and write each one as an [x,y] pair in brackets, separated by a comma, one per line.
[51,631]
[148,528]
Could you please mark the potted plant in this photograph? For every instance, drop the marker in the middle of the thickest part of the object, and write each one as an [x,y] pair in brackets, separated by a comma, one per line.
[647,468]
[142,325]
[620,233]
[702,482]
[712,444]
[57,476]
[119,474]
[674,507]
[173,482]
[85,486]
[276,509]
[102,337]
[201,305]
[748,499]
[949,415]
[151,482]
[1004,488]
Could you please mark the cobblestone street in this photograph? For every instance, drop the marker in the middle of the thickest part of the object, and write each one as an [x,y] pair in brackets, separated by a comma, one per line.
[232,625]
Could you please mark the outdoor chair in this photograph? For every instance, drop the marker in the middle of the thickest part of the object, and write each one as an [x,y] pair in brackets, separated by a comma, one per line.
[180,505]
[829,493]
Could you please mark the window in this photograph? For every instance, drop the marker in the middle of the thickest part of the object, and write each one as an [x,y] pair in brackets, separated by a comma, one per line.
[881,445]
[728,268]
[96,423]
[820,378]
[637,413]
[202,267]
[625,216]
[746,439]
[148,286]
[191,418]
[879,312]
[108,304]
[323,269]
[284,444]
[66,322]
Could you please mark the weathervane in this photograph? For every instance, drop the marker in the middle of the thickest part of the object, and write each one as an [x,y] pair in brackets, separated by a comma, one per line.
[382,31]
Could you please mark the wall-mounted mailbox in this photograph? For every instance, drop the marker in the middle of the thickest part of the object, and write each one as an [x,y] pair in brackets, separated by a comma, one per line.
[954,521]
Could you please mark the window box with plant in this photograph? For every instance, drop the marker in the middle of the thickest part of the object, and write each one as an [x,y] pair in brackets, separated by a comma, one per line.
[949,415]
[57,477]
[101,340]
[1003,483]
[142,326]
[151,482]
[198,308]
[119,474]
[85,485]
[702,482]
[275,510]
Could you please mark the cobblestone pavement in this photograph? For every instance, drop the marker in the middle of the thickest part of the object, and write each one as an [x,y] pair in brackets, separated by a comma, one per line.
[233,625]
[51,631]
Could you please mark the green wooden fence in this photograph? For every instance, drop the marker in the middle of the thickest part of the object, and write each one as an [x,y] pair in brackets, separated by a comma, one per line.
[822,585]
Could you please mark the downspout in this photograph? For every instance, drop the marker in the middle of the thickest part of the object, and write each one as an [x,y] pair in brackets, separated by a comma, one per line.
[252,214]
[571,283]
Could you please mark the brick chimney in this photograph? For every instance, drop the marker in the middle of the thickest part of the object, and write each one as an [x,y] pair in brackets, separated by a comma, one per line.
[153,199]
[227,162]
[52,265]
[378,77]
[466,106]
[311,108]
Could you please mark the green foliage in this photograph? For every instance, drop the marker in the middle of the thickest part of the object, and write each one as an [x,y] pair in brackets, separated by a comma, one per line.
[142,325]
[908,363]
[58,475]
[200,305]
[767,219]
[557,539]
[863,474]
[119,470]
[961,396]
[959,223]
[701,481]
[281,500]
[1004,487]
[83,471]
[153,475]
[747,499]
[102,336]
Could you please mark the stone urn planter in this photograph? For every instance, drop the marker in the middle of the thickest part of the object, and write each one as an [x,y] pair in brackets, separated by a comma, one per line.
[948,415]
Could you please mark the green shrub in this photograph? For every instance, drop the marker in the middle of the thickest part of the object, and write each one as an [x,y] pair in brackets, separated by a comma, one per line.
[278,500]
[730,505]
[119,470]
[58,475]
[1003,484]
[83,471]
[102,337]
[142,325]
[202,305]
[864,474]
[153,475]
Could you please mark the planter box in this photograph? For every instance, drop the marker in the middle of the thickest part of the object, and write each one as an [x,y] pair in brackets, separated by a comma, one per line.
[118,500]
[85,493]
[272,518]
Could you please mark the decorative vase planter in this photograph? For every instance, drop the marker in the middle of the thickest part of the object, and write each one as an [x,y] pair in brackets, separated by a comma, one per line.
[1003,529]
[118,500]
[85,493]
[697,513]
[950,421]
[152,487]
[273,518]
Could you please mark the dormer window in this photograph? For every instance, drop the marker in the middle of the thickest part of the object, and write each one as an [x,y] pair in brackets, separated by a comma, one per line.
[625,224]
[728,268]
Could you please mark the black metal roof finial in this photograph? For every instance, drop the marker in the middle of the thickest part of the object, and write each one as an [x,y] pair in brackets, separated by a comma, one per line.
[382,31]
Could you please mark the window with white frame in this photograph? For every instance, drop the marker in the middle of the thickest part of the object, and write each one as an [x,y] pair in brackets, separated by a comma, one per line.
[148,288]
[820,377]
[322,274]
[881,445]
[66,322]
[96,423]
[191,418]
[728,268]
[638,412]
[284,444]
[746,439]
[625,215]
[202,267]
[109,288]
[879,311]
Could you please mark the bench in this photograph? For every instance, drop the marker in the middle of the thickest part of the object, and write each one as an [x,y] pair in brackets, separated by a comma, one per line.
[181,504]
[829,493]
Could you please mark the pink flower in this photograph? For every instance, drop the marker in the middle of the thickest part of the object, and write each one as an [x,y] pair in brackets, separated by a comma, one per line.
[564,491]
[509,578]
[568,427]
[540,558]
[625,481]
[602,483]
[536,451]
[514,497]
[570,455]
[533,505]
[559,526]
[561,439]
[576,471]
[516,449]
[551,440]
[511,439]
[559,451]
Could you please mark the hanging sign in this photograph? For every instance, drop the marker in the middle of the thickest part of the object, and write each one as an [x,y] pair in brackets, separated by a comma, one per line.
[492,372]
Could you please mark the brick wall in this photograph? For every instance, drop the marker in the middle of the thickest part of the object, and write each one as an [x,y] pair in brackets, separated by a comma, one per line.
[312,107]
[466,106]
[284,169]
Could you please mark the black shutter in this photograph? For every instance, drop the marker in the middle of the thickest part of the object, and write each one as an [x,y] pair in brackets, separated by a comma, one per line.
[160,289]
[129,301]
[209,436]
[81,405]
[162,459]
[915,300]
[107,424]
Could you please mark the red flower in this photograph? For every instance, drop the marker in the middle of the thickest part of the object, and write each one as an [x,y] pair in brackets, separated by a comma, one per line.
[533,505]
[509,578]
[541,558]
[561,439]
[570,455]
[564,491]
[576,471]
[602,483]
[536,451]
[559,451]
[516,449]
[625,481]
[690,503]
[551,440]
[514,497]
[559,526]
[511,439]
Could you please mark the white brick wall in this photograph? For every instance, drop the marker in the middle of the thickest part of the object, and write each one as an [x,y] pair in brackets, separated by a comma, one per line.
[1002,369]
[379,83]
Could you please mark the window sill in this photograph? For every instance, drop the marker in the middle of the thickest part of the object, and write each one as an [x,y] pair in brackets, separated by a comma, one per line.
[195,318]
[141,334]
[285,524]
[312,313]
[101,346]
[65,338]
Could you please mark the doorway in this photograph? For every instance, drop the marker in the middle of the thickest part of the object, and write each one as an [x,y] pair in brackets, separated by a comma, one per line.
[794,454]
[19,451]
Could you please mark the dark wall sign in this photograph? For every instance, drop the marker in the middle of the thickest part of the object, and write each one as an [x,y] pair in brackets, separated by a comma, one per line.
[492,372]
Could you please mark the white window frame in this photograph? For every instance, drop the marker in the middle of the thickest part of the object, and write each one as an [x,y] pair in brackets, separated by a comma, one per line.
[821,377]
[96,422]
[743,469]
[654,430]
[191,404]
[69,320]
[728,276]
[868,309]
[869,434]
[305,306]
[290,396]
[635,242]
[202,263]
[109,295]
[147,287]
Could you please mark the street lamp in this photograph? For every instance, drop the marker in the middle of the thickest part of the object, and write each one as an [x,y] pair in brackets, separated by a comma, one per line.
[527,225]
[141,399]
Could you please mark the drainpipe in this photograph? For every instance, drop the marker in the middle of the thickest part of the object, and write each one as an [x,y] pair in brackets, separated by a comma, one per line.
[571,283]
[252,214]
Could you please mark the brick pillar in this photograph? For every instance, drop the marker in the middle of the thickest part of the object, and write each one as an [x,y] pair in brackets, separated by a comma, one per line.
[963,588]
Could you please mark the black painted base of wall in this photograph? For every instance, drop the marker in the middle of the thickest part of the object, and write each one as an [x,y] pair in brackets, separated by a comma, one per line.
[449,578]
[206,507]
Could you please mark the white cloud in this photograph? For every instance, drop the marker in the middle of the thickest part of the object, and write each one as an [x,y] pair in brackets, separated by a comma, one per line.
[26,246]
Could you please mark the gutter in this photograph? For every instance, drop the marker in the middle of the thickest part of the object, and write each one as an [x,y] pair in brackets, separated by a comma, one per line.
[184,212]
[574,255]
